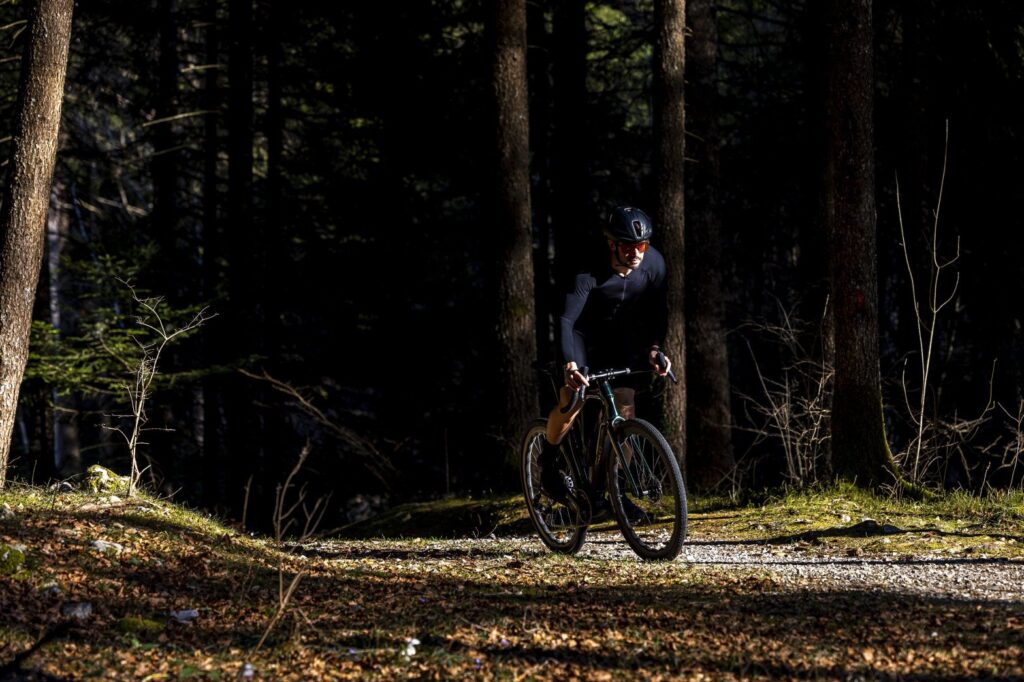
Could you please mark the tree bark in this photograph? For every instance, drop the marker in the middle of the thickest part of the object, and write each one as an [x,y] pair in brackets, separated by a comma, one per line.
[859,448]
[669,131]
[541,94]
[573,215]
[210,424]
[243,239]
[67,455]
[23,215]
[277,257]
[166,162]
[709,418]
[243,245]
[517,347]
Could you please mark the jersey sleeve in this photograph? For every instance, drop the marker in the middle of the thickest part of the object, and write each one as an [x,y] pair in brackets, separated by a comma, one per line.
[659,304]
[571,342]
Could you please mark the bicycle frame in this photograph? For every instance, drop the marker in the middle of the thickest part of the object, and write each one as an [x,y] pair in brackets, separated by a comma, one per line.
[588,461]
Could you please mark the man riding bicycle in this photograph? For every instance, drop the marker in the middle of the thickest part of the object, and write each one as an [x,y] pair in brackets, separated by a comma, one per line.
[614,316]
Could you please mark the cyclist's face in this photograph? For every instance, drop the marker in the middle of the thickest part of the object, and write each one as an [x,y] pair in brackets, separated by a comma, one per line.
[629,253]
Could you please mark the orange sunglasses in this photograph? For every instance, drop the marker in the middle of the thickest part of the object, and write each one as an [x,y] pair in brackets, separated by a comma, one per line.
[626,247]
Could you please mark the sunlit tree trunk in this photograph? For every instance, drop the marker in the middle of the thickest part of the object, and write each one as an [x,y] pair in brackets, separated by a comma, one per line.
[512,225]
[709,418]
[860,451]
[669,128]
[27,195]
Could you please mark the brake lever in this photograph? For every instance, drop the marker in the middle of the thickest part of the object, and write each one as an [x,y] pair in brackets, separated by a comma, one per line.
[577,395]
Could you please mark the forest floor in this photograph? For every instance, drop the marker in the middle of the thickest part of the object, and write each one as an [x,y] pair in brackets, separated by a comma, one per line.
[833,585]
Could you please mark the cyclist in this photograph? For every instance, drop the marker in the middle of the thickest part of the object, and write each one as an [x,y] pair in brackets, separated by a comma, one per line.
[615,315]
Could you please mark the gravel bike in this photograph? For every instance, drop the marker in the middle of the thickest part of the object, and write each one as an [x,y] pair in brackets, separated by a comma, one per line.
[641,477]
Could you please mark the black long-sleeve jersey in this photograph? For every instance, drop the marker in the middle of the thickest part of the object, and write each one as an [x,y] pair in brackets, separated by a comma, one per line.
[612,321]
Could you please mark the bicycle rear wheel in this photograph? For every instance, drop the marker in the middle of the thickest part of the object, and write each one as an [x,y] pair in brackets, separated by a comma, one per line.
[561,525]
[647,492]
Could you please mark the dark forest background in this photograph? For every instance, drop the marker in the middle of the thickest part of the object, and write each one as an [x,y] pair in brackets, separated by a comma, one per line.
[318,175]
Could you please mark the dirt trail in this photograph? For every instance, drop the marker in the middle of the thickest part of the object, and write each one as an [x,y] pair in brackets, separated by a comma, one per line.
[797,565]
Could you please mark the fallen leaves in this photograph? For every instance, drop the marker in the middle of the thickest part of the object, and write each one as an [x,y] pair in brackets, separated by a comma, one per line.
[456,609]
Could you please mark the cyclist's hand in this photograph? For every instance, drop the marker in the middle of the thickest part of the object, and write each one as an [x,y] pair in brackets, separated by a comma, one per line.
[657,358]
[573,378]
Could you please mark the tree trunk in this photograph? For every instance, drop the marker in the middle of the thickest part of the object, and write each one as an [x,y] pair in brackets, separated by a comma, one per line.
[210,435]
[573,216]
[669,129]
[709,418]
[23,216]
[517,347]
[242,235]
[67,456]
[541,93]
[859,448]
[277,256]
[243,243]
[166,158]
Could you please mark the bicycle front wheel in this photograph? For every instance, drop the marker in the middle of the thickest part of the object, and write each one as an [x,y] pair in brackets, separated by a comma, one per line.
[647,492]
[560,524]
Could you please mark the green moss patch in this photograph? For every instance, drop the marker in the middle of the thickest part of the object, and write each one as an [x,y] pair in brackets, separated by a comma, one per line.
[136,625]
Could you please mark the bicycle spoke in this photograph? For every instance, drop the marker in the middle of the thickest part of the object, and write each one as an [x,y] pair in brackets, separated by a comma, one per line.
[650,498]
[557,522]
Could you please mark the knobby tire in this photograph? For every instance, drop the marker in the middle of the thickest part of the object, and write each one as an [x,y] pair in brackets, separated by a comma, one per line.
[646,478]
[558,524]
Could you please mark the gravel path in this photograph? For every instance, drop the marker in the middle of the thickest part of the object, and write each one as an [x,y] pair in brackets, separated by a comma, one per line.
[795,566]
[792,565]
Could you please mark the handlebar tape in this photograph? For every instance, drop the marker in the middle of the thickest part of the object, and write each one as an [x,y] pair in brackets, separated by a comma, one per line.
[577,396]
[663,363]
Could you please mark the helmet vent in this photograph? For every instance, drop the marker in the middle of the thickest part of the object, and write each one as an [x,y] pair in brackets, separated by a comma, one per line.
[638,228]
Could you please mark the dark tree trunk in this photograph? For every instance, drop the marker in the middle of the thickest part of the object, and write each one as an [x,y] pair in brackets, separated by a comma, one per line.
[242,235]
[572,215]
[27,196]
[517,347]
[166,159]
[541,93]
[210,429]
[669,130]
[859,448]
[67,456]
[709,418]
[243,241]
[278,251]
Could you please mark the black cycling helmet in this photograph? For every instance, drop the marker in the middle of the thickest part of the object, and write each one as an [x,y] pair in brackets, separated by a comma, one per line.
[628,224]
